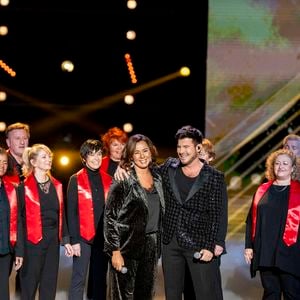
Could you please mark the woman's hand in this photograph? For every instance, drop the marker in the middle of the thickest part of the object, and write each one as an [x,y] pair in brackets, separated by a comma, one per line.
[76,249]
[18,262]
[248,254]
[68,250]
[117,260]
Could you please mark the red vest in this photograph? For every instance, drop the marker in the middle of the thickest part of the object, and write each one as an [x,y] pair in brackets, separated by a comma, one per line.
[293,216]
[85,202]
[33,209]
[13,205]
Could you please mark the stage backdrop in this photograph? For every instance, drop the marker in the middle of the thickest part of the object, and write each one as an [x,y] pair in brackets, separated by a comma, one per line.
[253,61]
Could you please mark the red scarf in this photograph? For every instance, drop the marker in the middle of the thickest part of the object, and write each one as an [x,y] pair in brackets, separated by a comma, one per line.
[13,205]
[33,209]
[293,216]
[105,163]
[85,202]
[13,178]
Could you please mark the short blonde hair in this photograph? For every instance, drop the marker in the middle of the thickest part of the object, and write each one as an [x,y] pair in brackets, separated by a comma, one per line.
[269,173]
[15,126]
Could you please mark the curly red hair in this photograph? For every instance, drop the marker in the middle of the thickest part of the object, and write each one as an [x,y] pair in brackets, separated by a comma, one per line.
[114,133]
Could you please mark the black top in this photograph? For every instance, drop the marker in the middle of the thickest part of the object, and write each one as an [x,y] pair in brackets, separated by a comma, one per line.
[49,208]
[271,220]
[112,167]
[184,183]
[153,211]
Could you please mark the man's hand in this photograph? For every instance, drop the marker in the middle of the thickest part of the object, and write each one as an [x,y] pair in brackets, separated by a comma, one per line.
[218,250]
[121,174]
[206,255]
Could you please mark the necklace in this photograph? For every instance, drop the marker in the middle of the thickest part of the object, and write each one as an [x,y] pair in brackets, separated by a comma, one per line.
[280,188]
[45,186]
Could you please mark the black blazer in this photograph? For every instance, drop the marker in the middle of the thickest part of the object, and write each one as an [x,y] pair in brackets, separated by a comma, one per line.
[196,221]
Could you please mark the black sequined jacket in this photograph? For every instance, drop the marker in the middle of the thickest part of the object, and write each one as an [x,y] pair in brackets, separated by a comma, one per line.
[196,220]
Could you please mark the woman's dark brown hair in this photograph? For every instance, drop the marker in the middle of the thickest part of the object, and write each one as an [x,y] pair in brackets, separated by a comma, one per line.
[127,155]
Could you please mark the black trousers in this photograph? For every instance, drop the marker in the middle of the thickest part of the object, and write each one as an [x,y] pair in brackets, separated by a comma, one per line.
[277,283]
[205,275]
[139,281]
[5,270]
[188,290]
[96,289]
[79,271]
[40,267]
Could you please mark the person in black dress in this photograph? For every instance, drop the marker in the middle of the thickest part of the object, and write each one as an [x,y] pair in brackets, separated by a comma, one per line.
[272,243]
[43,219]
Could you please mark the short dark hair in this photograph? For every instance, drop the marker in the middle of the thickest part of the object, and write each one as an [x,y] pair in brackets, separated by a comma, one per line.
[189,131]
[3,151]
[90,146]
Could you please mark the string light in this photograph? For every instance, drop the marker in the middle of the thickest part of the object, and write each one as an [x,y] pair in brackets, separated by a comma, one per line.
[7,69]
[130,68]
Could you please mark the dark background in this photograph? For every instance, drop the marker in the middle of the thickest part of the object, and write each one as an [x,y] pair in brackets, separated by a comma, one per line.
[57,105]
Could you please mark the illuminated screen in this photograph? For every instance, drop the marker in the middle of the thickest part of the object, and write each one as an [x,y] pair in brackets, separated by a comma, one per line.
[253,61]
